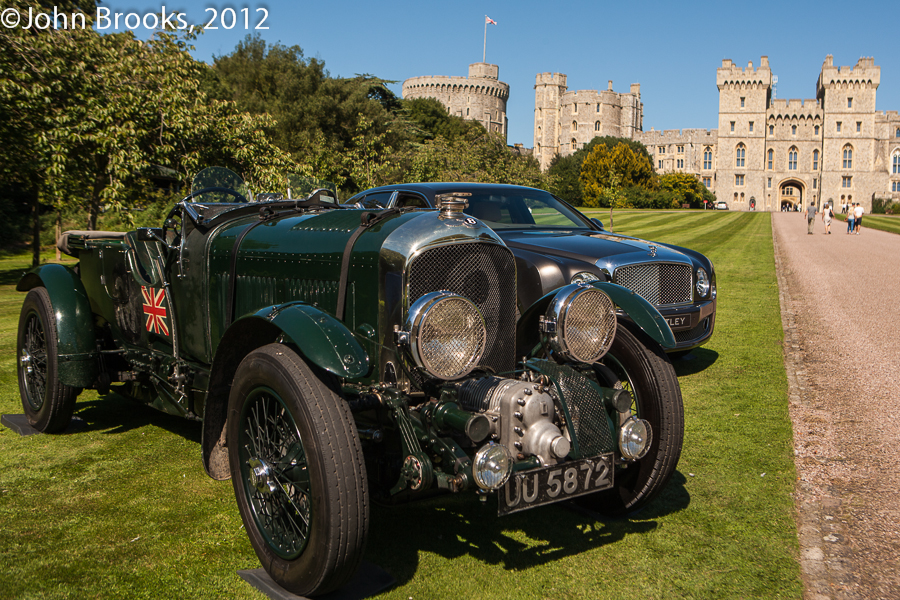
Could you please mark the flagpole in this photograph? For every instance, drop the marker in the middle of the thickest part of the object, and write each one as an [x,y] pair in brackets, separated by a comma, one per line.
[484,50]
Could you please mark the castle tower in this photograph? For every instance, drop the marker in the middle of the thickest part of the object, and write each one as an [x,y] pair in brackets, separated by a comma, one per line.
[548,91]
[744,96]
[848,97]
[479,97]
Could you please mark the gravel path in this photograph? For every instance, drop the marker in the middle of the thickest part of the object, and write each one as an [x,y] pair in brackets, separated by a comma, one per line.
[840,300]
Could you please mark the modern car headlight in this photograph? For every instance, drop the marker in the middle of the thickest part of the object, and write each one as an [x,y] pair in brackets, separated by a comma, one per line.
[447,334]
[584,277]
[492,466]
[581,323]
[703,283]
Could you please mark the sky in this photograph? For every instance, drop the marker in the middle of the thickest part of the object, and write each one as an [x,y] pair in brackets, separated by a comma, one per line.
[671,48]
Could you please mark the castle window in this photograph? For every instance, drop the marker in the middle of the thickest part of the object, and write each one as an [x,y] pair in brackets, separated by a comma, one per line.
[707,159]
[815,182]
[742,103]
[897,134]
[707,181]
[598,107]
[771,130]
[769,183]
[732,127]
[680,149]
[792,159]
[793,130]
[848,157]
[858,126]
[751,126]
[896,162]
[815,160]
[738,180]
[895,186]
[575,107]
[597,126]
[574,144]
[849,102]
[680,163]
[817,130]
[846,182]
[662,149]
[467,112]
[838,126]
[660,165]
[740,154]
[574,126]
[770,159]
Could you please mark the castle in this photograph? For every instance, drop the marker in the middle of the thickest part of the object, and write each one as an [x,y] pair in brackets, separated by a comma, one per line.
[767,153]
[479,97]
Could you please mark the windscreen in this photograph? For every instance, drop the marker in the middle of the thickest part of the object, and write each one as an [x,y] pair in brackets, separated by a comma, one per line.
[529,209]
[218,181]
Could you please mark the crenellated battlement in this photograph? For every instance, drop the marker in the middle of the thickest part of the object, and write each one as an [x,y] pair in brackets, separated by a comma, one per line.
[550,79]
[863,75]
[731,76]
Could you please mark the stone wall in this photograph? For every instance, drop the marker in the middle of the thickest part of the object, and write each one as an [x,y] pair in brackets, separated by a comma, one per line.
[479,97]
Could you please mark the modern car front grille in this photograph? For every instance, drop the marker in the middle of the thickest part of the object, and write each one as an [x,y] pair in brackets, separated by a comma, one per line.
[660,284]
[486,275]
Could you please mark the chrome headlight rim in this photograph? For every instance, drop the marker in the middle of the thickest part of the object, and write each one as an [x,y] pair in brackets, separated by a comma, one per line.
[703,283]
[560,311]
[635,438]
[477,464]
[416,321]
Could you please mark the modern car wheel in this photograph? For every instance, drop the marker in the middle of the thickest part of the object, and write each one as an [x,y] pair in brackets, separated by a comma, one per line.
[48,404]
[298,473]
[643,369]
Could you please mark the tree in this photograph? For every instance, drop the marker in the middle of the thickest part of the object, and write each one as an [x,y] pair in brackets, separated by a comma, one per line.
[684,188]
[428,119]
[566,170]
[603,162]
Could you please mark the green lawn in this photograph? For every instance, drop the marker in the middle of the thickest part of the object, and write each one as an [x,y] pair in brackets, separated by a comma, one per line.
[122,507]
[889,223]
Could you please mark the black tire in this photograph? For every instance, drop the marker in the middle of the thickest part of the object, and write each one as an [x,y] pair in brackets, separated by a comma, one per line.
[640,365]
[298,472]
[48,404]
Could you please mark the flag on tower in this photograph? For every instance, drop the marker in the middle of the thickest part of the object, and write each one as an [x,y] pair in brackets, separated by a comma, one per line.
[487,20]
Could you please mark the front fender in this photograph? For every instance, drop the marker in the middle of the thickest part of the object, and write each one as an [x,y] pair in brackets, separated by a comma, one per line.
[322,339]
[641,312]
[77,343]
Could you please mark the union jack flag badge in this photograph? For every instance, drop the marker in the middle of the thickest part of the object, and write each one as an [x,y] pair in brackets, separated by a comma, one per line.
[154,310]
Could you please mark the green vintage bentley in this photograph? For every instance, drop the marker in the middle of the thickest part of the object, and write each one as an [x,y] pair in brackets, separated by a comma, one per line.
[340,356]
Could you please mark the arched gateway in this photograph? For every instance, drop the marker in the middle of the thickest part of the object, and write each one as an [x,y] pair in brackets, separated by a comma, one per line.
[790,194]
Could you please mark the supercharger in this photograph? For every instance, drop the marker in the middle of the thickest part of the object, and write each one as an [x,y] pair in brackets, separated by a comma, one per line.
[523,416]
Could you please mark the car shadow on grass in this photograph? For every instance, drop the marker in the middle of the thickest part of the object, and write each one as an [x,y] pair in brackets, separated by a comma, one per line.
[114,414]
[695,361]
[461,525]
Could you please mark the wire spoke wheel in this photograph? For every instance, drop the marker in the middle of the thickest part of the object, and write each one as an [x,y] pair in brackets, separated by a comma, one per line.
[637,364]
[298,472]
[47,402]
[275,472]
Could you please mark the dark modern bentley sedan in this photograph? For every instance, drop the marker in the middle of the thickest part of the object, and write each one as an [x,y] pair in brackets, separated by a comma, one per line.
[554,245]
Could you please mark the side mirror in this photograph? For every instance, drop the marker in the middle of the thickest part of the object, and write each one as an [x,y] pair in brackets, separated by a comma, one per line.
[597,222]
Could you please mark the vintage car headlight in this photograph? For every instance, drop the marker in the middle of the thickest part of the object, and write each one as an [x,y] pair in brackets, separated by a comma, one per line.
[581,322]
[634,438]
[447,334]
[584,277]
[702,283]
[492,466]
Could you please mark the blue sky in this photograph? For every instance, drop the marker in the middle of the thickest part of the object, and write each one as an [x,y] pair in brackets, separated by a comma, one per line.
[671,48]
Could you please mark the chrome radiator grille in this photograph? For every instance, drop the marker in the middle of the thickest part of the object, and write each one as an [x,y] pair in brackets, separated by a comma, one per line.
[486,275]
[657,283]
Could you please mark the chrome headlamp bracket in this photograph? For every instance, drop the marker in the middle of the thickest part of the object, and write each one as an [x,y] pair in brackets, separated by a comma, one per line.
[580,323]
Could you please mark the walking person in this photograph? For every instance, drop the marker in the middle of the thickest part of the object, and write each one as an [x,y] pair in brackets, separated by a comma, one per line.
[851,219]
[827,216]
[858,213]
[810,214]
